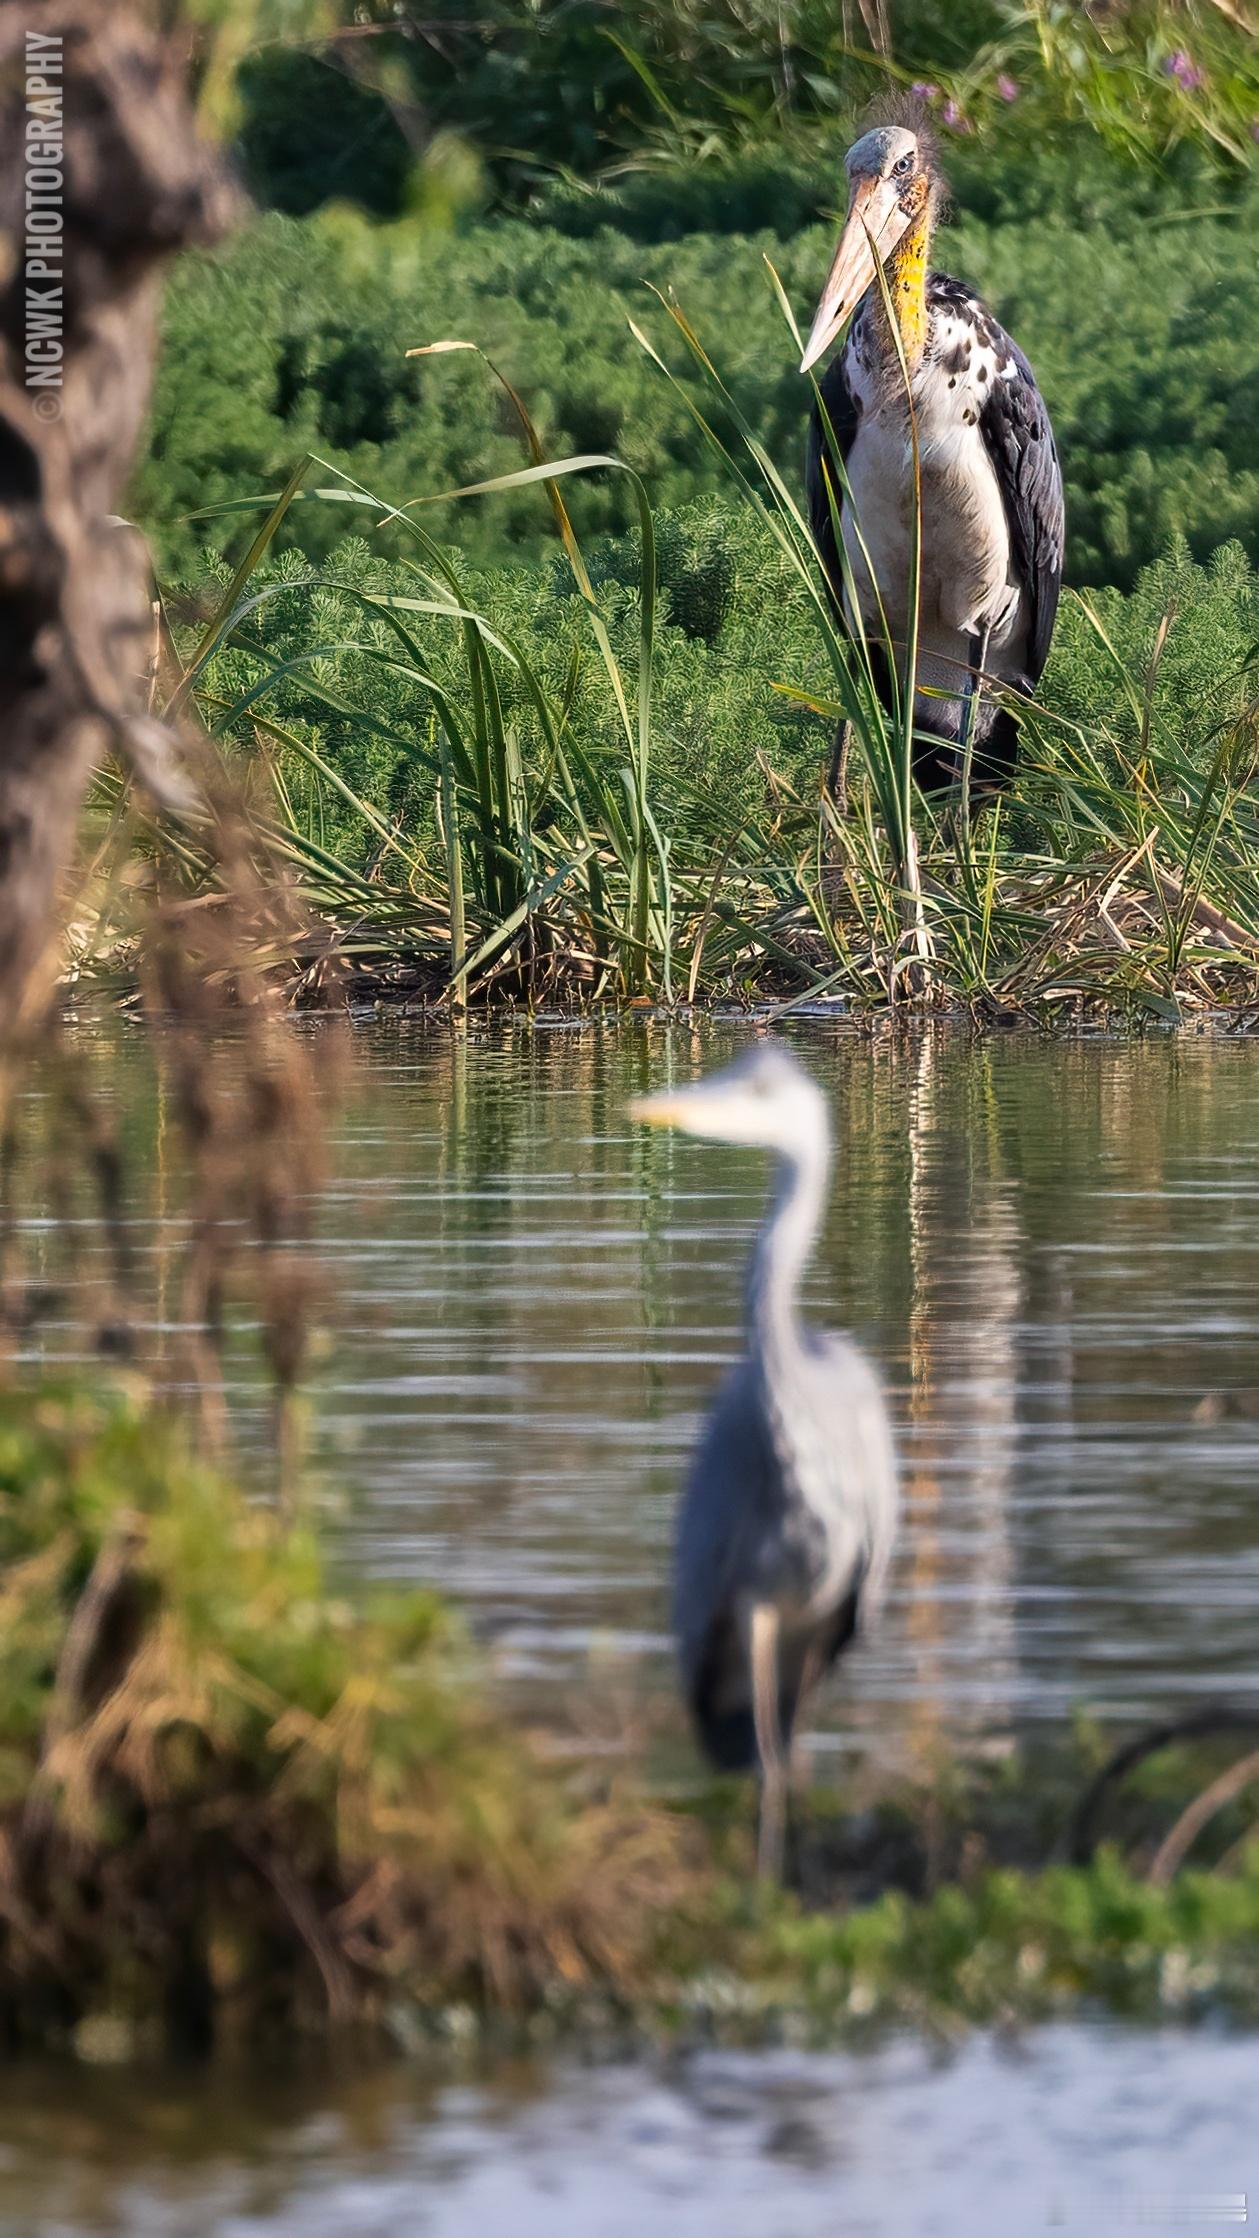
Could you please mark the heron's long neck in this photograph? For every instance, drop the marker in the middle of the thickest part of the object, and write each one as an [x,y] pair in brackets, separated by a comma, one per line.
[906,274]
[781,1253]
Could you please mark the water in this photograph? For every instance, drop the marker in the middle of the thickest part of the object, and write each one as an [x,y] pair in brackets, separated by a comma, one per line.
[1053,1252]
[1091,2130]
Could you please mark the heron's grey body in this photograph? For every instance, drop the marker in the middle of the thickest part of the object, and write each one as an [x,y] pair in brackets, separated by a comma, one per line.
[789,1513]
[764,1523]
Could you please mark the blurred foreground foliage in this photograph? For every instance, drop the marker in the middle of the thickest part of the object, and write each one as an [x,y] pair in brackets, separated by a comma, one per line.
[234,1798]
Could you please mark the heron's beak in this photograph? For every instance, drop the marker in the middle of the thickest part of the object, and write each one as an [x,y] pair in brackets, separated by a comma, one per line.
[668,1109]
[713,1108]
[700,1109]
[875,223]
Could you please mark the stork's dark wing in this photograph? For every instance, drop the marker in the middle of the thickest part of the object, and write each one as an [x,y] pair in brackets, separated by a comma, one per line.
[842,412]
[1020,442]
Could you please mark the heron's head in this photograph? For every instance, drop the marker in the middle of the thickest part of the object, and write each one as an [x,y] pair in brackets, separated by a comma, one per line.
[892,184]
[765,1100]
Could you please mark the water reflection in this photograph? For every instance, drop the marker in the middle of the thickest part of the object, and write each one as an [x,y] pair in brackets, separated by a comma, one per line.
[961,1400]
[1089,2129]
[1053,1251]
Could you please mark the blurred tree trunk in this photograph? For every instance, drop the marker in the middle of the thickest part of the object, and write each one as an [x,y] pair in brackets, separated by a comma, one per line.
[94,119]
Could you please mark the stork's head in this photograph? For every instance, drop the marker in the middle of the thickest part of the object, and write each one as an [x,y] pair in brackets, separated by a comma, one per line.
[765,1100]
[892,184]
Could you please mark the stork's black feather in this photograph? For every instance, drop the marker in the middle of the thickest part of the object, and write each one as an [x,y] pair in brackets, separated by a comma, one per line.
[841,411]
[1017,436]
[1020,442]
[827,435]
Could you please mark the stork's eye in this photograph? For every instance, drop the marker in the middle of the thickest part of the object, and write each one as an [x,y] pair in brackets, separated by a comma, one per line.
[902,169]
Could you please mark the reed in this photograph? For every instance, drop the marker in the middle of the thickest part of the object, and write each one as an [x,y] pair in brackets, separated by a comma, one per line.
[1108,878]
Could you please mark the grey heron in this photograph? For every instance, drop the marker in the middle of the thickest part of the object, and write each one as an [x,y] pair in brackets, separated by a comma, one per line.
[991,505]
[789,1511]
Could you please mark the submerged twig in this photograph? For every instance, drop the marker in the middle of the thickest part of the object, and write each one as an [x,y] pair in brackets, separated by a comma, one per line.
[1175,1847]
[1080,1838]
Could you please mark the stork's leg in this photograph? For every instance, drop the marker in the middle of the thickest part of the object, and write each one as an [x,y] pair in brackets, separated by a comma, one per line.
[970,709]
[763,1655]
[837,767]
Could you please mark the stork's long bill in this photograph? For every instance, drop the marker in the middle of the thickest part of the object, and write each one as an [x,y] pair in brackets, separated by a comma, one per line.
[887,223]
[874,224]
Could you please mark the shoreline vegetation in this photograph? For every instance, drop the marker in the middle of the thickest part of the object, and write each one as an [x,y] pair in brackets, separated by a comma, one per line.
[513,858]
[238,1807]
[499,601]
[603,783]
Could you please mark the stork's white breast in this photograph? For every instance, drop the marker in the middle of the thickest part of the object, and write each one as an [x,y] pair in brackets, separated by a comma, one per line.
[967,583]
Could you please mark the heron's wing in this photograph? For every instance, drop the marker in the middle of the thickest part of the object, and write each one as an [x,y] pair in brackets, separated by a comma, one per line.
[1019,440]
[849,1399]
[724,1505]
[842,412]
[741,1532]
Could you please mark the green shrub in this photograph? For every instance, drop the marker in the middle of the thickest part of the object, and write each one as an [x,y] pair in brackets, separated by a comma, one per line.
[558,87]
[1205,672]
[1139,319]
[734,628]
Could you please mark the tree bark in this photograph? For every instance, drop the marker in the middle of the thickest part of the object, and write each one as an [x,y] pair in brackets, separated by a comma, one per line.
[75,615]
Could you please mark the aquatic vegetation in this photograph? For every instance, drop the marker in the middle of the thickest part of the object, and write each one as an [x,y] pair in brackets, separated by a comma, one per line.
[1018,1946]
[570,788]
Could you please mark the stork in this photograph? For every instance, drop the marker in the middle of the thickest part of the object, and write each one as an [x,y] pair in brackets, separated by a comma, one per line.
[991,510]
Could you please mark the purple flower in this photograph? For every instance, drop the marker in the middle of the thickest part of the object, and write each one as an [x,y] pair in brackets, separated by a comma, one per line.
[923,91]
[1007,87]
[1184,70]
[955,117]
[1254,128]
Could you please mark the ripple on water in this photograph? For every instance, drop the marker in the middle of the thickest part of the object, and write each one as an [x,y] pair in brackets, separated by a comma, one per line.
[1087,2128]
[1052,1250]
